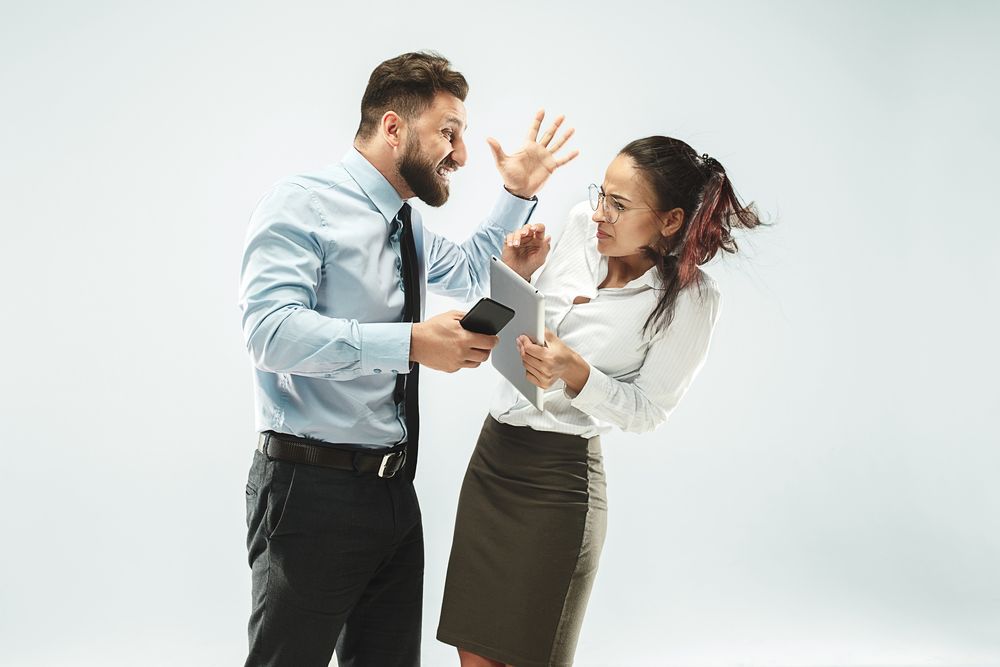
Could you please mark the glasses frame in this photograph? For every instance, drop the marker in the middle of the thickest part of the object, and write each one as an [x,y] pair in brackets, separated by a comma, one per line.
[613,214]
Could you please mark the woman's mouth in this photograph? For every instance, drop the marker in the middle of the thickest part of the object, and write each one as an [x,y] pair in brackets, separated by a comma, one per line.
[602,235]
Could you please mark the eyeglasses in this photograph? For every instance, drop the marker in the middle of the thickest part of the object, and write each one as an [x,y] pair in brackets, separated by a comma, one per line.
[612,207]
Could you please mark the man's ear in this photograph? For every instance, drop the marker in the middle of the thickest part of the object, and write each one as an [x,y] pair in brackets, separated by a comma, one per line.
[672,221]
[392,128]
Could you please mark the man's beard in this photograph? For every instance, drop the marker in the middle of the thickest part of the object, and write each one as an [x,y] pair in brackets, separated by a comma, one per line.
[421,174]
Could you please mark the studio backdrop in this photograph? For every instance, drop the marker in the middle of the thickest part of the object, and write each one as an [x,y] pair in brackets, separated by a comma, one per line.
[826,492]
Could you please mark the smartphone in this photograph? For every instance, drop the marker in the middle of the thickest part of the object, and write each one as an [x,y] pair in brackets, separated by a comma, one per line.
[487,317]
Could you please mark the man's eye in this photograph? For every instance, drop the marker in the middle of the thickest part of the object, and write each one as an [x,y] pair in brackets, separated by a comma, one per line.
[448,134]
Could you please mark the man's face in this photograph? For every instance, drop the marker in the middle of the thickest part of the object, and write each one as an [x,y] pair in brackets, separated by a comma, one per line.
[433,149]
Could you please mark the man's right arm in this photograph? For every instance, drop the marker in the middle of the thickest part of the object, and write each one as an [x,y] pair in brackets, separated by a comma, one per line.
[282,263]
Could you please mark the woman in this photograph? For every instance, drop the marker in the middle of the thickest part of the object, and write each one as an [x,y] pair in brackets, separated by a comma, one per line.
[629,317]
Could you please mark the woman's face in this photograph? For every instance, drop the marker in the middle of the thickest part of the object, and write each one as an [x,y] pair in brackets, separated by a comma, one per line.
[627,196]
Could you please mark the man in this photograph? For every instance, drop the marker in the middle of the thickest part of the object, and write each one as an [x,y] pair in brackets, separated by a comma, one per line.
[332,287]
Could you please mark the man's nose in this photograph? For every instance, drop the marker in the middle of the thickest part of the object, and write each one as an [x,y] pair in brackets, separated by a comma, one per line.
[459,154]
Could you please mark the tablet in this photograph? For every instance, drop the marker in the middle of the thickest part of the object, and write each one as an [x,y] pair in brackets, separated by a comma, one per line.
[528,304]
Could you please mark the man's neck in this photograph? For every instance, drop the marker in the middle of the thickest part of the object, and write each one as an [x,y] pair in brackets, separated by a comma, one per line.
[385,165]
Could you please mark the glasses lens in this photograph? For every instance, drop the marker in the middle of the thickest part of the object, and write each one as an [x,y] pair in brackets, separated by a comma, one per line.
[610,210]
[595,196]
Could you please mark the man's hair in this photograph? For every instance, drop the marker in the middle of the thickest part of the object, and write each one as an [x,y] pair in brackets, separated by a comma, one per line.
[407,85]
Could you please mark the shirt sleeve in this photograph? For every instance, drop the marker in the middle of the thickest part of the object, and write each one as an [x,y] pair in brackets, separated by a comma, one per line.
[282,264]
[462,270]
[645,400]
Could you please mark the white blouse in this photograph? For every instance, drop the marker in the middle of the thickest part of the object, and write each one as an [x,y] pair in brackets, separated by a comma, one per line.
[636,380]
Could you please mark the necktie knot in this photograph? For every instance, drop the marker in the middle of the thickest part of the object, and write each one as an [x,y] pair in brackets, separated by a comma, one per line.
[404,214]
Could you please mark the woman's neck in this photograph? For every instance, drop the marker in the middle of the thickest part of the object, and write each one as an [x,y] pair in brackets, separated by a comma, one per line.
[623,270]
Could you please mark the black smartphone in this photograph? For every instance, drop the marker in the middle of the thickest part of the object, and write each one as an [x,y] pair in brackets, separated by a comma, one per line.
[487,317]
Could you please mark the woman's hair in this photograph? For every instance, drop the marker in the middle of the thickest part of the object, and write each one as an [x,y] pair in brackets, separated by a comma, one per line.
[679,178]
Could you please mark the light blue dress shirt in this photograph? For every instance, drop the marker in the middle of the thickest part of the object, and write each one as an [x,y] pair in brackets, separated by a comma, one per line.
[321,292]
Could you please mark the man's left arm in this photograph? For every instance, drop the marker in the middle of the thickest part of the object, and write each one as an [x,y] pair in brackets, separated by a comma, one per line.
[462,270]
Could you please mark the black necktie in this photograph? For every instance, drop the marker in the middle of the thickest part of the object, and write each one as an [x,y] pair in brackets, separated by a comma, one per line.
[407,384]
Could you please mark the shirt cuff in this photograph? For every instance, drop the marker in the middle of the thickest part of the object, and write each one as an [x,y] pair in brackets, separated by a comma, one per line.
[385,347]
[511,212]
[594,393]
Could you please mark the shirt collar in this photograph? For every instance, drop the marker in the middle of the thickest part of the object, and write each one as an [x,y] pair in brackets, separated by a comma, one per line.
[374,184]
[650,278]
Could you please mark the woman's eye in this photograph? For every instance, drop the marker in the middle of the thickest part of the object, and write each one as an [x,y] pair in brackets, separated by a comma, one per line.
[618,205]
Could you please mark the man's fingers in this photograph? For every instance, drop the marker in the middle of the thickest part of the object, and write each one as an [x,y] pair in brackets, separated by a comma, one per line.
[564,160]
[477,355]
[551,132]
[562,140]
[536,125]
[498,154]
[481,341]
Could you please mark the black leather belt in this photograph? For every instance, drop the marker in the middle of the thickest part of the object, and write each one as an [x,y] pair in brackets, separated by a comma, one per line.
[284,447]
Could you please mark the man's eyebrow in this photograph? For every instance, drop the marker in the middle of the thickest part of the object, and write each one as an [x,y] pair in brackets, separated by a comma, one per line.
[455,120]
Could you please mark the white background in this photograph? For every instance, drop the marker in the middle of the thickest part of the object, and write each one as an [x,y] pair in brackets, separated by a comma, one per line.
[825,494]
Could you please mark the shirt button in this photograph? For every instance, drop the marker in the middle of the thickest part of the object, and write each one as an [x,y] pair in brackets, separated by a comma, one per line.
[394,371]
[378,370]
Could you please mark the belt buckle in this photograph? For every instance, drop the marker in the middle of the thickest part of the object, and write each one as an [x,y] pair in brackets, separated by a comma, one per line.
[386,470]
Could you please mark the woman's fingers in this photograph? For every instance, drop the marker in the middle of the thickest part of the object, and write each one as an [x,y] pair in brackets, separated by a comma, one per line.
[536,351]
[538,369]
[537,380]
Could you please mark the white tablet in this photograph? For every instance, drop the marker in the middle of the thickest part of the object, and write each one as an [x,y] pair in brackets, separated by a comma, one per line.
[528,303]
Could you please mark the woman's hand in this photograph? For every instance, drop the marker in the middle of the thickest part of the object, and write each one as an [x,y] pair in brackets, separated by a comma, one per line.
[526,249]
[525,172]
[556,361]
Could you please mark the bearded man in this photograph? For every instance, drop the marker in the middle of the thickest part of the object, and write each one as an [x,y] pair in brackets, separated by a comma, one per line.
[334,275]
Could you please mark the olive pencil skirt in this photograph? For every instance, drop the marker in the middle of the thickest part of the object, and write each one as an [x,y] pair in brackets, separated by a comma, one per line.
[532,517]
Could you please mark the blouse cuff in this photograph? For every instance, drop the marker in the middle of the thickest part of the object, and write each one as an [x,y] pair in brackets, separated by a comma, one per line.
[594,392]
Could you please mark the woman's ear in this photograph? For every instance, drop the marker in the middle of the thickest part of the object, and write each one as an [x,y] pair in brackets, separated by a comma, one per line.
[672,221]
